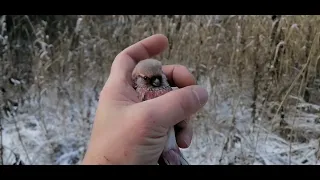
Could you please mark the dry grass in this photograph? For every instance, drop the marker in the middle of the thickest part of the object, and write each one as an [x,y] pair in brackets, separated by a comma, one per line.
[261,73]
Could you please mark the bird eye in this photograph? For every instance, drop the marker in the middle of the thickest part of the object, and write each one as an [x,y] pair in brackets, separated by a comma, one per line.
[145,78]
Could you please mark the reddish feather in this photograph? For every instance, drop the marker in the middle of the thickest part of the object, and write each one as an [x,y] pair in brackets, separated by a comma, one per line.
[146,94]
[171,155]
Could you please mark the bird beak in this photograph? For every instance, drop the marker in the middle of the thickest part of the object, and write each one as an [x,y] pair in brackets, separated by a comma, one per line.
[156,83]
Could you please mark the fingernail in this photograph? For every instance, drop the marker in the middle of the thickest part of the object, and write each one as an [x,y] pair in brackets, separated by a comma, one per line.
[201,94]
[187,140]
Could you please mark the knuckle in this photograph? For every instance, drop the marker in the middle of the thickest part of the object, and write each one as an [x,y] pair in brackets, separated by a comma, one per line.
[188,102]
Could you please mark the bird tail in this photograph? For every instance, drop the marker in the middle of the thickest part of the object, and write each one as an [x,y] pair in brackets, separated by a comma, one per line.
[171,154]
[172,157]
[183,160]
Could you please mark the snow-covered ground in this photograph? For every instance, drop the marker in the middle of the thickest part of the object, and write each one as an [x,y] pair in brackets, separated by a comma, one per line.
[217,141]
[55,129]
[52,124]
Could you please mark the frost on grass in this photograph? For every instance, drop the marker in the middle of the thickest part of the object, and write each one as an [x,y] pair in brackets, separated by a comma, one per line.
[219,141]
[49,132]
[47,118]
[55,132]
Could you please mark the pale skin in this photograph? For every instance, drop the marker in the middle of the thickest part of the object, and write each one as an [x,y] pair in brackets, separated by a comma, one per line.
[127,131]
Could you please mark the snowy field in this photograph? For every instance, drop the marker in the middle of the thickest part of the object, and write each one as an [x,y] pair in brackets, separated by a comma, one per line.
[51,120]
[63,138]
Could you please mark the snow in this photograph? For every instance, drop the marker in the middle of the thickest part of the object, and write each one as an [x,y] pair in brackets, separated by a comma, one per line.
[55,129]
[52,125]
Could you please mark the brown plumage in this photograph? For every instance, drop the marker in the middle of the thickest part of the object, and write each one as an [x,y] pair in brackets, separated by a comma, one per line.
[150,82]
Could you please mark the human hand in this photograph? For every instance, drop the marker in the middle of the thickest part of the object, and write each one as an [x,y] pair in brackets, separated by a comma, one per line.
[128,131]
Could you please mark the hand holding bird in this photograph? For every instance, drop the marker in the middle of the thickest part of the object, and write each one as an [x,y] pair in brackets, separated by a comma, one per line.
[129,130]
[150,82]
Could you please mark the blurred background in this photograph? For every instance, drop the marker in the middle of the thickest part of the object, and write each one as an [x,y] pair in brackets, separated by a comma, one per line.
[262,74]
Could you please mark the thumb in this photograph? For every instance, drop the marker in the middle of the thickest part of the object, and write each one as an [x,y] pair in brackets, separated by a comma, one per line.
[175,106]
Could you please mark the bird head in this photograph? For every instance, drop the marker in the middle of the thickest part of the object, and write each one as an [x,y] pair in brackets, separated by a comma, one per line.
[148,74]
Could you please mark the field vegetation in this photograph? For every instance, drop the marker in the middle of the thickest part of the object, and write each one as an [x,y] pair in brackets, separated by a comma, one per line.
[262,74]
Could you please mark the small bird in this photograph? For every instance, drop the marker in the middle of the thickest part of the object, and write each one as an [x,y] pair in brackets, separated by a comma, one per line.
[150,82]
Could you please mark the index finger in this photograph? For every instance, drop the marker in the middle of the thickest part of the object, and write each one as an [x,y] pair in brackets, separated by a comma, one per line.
[126,60]
[179,76]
